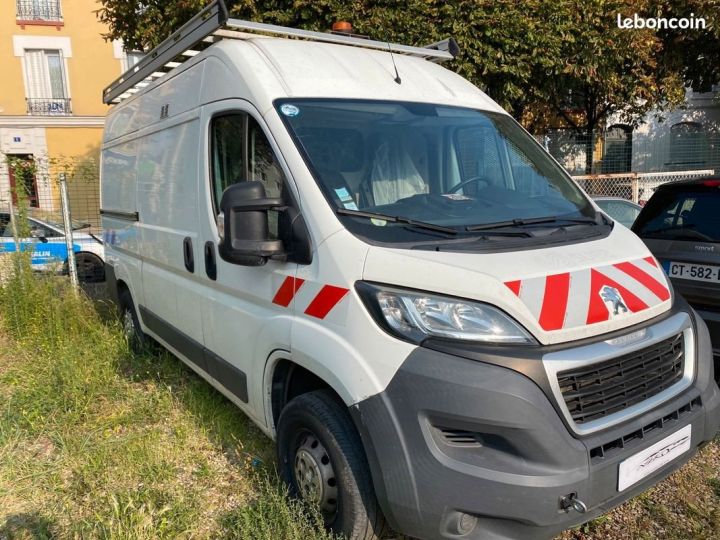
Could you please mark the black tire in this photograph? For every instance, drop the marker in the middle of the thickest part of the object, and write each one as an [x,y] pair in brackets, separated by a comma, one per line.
[90,268]
[319,414]
[130,321]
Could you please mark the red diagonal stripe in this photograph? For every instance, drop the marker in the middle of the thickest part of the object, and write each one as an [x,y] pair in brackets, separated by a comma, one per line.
[554,307]
[514,286]
[657,288]
[284,295]
[325,300]
[598,311]
[651,260]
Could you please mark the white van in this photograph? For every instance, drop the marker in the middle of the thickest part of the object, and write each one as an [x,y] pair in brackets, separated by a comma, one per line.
[389,276]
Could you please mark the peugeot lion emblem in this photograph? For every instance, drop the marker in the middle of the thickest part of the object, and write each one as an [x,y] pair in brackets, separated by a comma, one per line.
[612,295]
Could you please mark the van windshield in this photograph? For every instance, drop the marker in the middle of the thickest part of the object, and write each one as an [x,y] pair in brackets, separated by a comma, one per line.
[446,170]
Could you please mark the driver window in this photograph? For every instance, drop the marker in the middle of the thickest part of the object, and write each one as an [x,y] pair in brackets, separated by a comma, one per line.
[241,152]
[262,163]
[228,155]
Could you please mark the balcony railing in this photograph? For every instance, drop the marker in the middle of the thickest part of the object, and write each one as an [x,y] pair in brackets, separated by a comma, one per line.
[49,106]
[39,10]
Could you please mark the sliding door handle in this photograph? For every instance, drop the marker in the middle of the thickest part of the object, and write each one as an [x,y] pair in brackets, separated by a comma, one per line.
[188,255]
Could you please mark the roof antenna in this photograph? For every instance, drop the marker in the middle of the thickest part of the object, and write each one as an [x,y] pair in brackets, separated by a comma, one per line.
[392,57]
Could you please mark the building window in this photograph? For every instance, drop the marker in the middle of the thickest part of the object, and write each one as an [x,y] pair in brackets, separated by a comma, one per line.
[688,145]
[23,179]
[46,84]
[130,59]
[617,149]
[29,11]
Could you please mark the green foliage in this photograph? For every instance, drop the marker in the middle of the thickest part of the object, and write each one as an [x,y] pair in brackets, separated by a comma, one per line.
[540,59]
[271,516]
[693,54]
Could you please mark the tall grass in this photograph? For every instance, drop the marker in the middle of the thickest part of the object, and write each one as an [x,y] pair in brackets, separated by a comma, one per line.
[96,442]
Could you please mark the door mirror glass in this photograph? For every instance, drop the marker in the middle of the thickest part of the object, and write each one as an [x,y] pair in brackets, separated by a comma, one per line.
[245,235]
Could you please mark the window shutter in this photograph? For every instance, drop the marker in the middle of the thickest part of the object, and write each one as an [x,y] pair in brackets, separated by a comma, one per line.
[38,81]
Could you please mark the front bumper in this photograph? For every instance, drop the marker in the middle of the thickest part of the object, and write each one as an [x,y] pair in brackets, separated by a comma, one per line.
[466,448]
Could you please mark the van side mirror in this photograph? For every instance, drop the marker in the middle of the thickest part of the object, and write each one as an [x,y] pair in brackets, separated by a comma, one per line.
[243,225]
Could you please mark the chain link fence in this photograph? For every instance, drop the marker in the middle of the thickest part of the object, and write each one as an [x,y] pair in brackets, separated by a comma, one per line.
[50,208]
[684,146]
[622,163]
[637,187]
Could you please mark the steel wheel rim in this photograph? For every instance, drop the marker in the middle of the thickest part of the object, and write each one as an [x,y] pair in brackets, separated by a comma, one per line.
[129,325]
[315,476]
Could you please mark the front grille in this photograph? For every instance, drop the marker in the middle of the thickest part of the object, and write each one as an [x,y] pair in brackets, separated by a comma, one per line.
[629,440]
[601,389]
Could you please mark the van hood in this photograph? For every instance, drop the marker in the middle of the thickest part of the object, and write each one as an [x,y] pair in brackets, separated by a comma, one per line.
[558,294]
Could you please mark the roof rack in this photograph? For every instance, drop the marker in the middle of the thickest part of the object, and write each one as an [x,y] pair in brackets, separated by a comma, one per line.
[213,24]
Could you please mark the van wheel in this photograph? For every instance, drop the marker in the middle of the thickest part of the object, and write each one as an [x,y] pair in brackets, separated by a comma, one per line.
[322,460]
[136,338]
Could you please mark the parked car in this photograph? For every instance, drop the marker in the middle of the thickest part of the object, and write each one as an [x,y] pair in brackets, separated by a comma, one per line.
[681,226]
[377,264]
[49,251]
[621,210]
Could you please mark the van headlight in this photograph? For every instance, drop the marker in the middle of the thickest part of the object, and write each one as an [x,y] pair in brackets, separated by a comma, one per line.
[415,315]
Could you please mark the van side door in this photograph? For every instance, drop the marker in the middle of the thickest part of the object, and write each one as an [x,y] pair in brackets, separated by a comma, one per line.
[245,318]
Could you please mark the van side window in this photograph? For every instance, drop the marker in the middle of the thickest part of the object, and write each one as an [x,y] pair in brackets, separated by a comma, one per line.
[241,152]
[228,155]
[263,165]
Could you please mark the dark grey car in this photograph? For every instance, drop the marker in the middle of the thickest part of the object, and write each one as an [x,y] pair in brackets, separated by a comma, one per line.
[681,226]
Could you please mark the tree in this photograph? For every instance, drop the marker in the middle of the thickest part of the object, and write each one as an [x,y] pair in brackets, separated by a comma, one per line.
[501,46]
[608,70]
[694,54]
[543,60]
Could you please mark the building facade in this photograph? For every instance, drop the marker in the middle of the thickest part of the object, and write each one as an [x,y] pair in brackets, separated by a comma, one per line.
[55,65]
[681,140]
[687,138]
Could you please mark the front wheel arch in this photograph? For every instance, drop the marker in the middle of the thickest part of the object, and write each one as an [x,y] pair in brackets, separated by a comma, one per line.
[321,416]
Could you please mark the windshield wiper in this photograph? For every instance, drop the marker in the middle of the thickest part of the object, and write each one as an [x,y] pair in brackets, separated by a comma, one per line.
[523,222]
[396,219]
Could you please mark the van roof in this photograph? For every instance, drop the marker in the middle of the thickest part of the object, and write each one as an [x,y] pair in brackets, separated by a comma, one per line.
[324,70]
[263,69]
[237,62]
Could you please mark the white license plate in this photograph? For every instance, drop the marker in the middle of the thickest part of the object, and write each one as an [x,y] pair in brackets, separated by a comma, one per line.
[644,463]
[698,272]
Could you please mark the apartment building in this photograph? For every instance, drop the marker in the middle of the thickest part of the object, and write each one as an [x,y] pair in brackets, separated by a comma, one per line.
[55,64]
